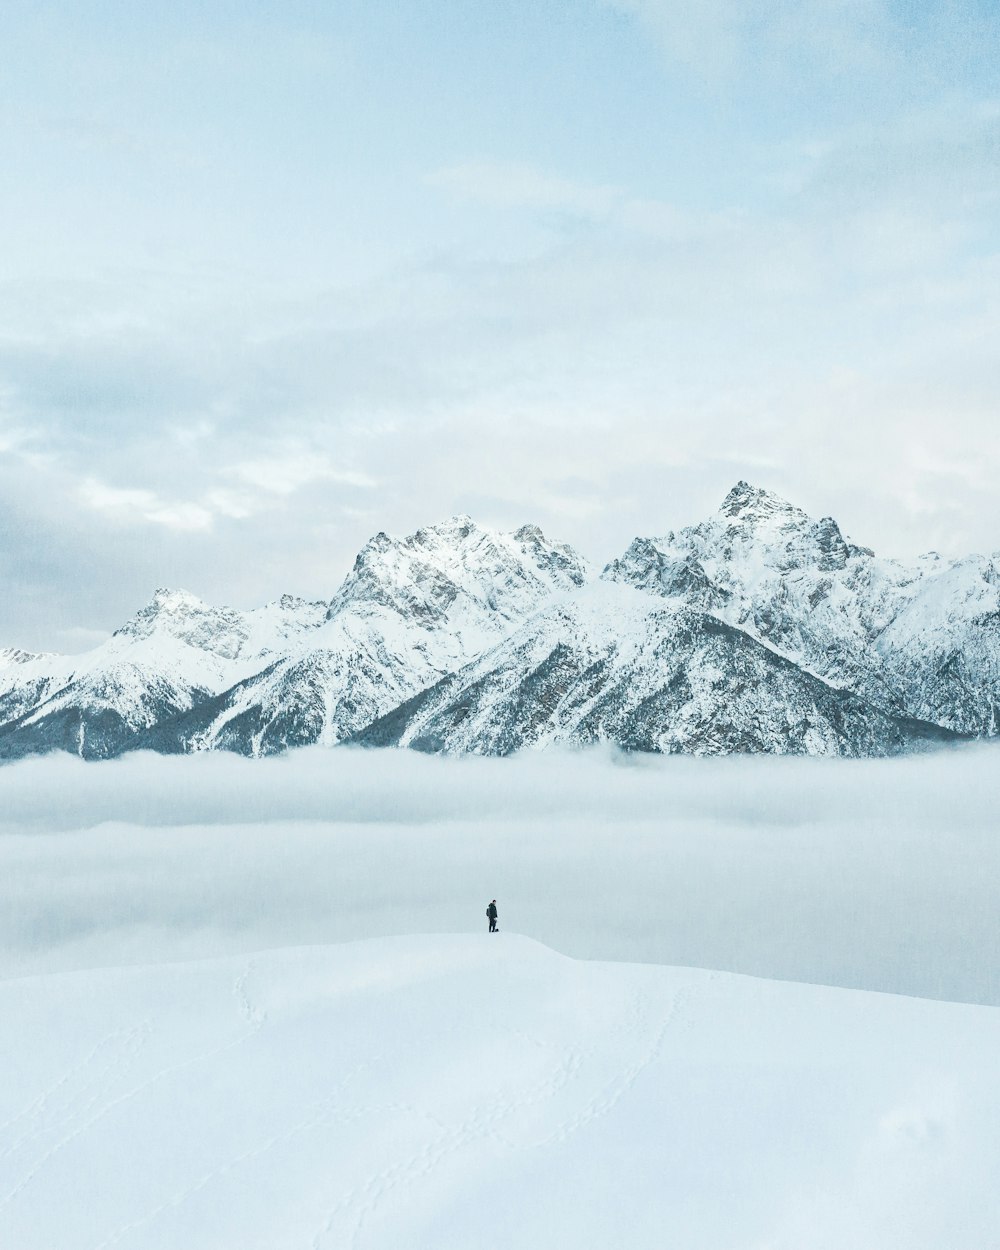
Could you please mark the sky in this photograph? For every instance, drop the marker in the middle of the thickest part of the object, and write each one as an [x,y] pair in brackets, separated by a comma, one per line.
[275,277]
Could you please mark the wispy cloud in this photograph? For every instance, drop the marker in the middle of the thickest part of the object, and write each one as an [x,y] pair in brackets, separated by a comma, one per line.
[129,505]
[285,473]
[522,188]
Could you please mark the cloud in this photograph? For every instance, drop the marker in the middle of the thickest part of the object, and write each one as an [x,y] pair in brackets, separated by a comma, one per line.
[808,285]
[873,874]
[131,505]
[75,640]
[511,188]
[287,472]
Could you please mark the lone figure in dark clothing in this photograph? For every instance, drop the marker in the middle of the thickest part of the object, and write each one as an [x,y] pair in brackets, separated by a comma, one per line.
[491,912]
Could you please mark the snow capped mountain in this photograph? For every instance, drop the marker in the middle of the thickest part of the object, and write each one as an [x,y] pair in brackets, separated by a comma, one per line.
[473,580]
[175,616]
[173,654]
[351,670]
[411,610]
[759,629]
[769,569]
[943,646]
[614,664]
[25,679]
[920,640]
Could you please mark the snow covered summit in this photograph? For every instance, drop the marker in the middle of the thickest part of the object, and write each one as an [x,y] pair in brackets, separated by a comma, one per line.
[759,629]
[461,575]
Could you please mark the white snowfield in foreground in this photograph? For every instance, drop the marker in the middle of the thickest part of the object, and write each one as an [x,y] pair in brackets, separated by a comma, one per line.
[460,1092]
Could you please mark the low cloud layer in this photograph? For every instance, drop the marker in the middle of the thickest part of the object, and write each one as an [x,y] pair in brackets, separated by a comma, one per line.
[875,874]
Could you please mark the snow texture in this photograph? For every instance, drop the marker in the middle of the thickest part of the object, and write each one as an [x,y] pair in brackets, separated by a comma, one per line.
[469,1092]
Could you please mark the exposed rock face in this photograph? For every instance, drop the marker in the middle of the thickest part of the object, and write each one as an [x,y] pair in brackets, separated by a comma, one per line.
[759,630]
[410,611]
[460,575]
[920,639]
[613,665]
[173,655]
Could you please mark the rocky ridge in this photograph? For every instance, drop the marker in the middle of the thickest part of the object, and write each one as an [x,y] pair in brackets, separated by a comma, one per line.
[761,629]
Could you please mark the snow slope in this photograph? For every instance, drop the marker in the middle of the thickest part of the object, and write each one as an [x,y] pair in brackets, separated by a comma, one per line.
[919,639]
[173,654]
[614,664]
[411,610]
[465,1092]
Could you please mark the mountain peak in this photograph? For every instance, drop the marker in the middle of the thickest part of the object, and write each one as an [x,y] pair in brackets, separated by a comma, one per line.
[457,569]
[15,655]
[753,502]
[453,528]
[180,614]
[167,600]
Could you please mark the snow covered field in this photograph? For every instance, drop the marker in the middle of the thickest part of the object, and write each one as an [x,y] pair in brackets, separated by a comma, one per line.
[195,1053]
[473,1092]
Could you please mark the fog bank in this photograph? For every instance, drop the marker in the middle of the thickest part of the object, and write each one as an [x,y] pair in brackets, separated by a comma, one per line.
[872,874]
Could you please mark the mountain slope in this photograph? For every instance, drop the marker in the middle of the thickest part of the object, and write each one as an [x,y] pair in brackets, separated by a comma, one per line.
[175,653]
[920,639]
[942,649]
[411,610]
[26,678]
[759,629]
[614,664]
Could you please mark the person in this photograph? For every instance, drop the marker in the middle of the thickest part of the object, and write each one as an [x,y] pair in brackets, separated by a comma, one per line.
[491,912]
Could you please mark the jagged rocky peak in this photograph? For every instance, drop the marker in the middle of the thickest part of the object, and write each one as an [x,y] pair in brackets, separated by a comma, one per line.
[787,537]
[168,599]
[455,529]
[749,502]
[665,568]
[769,518]
[749,518]
[559,559]
[180,616]
[754,511]
[14,655]
[286,616]
[641,565]
[830,543]
[427,574]
[165,605]
[759,562]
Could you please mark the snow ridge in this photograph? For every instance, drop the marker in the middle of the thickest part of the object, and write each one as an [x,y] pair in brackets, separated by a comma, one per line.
[760,629]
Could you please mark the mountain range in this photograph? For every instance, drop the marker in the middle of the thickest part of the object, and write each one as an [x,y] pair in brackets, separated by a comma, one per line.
[761,629]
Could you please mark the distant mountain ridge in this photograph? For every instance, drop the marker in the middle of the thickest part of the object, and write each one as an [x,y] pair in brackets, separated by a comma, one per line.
[761,629]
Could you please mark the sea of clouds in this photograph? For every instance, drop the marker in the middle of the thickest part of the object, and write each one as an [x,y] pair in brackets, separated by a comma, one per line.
[878,874]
